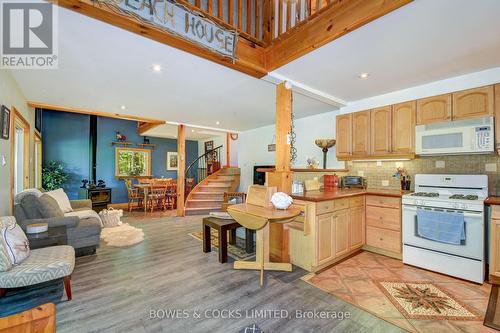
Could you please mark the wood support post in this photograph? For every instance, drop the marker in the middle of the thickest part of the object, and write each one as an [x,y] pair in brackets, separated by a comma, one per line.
[228,149]
[282,178]
[181,164]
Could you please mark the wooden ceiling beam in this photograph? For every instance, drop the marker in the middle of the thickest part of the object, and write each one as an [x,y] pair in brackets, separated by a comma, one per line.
[332,23]
[144,127]
[250,56]
[95,113]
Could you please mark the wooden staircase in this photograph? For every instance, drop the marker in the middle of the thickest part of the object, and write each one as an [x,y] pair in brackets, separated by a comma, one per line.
[208,195]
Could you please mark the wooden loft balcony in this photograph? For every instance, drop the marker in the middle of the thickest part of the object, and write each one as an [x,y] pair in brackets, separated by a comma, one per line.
[269,33]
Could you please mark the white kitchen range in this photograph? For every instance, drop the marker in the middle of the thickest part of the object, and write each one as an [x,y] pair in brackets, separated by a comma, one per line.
[443,225]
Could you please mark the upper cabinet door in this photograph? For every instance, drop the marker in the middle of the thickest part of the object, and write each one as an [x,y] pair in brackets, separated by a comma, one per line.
[472,103]
[361,133]
[381,119]
[343,129]
[497,116]
[434,109]
[403,128]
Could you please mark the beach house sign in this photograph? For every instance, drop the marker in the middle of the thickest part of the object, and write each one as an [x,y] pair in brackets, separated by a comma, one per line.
[180,21]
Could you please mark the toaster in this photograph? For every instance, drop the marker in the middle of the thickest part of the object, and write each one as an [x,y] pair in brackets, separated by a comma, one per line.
[353,182]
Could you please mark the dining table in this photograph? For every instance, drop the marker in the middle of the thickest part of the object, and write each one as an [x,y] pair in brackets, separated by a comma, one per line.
[145,189]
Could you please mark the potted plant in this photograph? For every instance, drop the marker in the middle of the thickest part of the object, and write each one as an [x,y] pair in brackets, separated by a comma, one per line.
[53,176]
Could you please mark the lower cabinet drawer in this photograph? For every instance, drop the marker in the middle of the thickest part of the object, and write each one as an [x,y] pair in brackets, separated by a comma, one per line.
[384,239]
[381,217]
[324,207]
[357,201]
[377,200]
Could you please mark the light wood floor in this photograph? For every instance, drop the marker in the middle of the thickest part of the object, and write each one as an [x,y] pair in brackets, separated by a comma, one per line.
[115,290]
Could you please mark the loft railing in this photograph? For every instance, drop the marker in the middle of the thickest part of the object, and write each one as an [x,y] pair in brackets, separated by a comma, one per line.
[261,21]
[286,15]
[245,16]
[202,167]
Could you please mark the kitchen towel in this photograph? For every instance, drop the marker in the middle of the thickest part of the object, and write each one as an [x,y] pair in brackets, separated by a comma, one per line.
[440,226]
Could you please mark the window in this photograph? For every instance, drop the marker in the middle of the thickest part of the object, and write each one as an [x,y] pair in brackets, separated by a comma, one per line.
[132,162]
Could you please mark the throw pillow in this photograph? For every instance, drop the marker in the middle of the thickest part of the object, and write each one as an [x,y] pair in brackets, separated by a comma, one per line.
[62,200]
[5,263]
[48,207]
[15,240]
[30,207]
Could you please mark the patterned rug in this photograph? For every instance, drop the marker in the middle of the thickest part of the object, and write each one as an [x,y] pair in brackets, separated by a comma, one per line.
[422,300]
[236,252]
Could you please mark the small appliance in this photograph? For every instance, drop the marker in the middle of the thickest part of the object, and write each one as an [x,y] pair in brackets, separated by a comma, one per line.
[447,194]
[470,136]
[353,182]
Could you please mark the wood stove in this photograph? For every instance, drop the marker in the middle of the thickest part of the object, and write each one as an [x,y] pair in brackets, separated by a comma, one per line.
[99,196]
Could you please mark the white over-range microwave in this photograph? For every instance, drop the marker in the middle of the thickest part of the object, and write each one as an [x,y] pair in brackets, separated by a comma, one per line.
[471,136]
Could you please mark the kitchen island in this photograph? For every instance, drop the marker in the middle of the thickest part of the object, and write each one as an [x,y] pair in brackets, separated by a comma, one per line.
[337,224]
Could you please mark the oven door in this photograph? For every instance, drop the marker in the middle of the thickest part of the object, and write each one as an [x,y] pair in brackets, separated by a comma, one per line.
[472,247]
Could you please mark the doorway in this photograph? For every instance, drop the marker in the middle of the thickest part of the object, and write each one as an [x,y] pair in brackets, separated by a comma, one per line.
[20,153]
[37,162]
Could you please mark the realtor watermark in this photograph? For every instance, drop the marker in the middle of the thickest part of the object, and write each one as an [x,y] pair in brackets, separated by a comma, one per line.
[29,34]
[313,314]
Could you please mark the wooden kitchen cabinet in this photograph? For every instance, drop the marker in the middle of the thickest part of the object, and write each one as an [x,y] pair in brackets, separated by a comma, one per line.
[325,227]
[497,117]
[341,222]
[357,227]
[361,133]
[434,109]
[495,245]
[381,125]
[473,103]
[403,128]
[383,225]
[344,133]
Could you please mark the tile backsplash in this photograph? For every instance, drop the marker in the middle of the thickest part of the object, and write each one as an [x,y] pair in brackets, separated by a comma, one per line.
[379,174]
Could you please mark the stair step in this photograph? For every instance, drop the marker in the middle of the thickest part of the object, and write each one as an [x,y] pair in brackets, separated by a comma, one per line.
[213,188]
[196,203]
[201,211]
[224,178]
[219,183]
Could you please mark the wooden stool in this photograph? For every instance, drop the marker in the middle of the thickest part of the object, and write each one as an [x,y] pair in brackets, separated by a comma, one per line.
[223,226]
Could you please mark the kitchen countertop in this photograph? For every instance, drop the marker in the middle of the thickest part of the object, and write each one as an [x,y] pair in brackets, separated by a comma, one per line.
[321,195]
[492,201]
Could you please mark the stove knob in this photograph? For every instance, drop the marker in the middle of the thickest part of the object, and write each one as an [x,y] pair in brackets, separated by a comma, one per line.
[464,206]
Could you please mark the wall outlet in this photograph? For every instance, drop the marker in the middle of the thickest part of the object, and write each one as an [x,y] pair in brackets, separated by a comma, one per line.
[379,163]
[490,167]
[440,164]
[385,183]
[361,173]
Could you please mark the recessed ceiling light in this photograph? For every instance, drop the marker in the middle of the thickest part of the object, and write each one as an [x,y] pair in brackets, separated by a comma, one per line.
[123,107]
[364,75]
[217,123]
[157,68]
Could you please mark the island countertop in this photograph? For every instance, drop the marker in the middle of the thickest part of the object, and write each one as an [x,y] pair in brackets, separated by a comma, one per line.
[322,195]
[492,200]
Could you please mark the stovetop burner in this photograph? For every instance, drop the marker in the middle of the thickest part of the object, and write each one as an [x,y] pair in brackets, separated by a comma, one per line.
[426,194]
[464,197]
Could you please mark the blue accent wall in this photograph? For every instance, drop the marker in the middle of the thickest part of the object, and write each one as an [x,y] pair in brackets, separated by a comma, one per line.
[65,138]
[58,129]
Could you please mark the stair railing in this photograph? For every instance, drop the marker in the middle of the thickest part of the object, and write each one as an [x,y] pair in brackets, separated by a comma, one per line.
[202,167]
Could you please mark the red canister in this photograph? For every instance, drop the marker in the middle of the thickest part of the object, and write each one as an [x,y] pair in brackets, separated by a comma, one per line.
[330,182]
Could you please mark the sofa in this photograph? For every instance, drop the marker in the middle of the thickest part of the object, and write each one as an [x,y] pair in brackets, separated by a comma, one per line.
[83,232]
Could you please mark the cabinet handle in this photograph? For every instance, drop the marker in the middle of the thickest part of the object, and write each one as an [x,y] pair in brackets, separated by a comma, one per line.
[381,239]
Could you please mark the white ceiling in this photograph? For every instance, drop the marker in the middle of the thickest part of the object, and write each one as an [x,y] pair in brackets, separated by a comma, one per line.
[102,67]
[422,42]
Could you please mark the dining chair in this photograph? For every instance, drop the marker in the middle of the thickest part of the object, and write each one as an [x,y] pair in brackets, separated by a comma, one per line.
[171,196]
[135,195]
[157,195]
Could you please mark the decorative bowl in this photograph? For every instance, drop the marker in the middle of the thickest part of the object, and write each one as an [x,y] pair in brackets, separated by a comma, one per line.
[281,200]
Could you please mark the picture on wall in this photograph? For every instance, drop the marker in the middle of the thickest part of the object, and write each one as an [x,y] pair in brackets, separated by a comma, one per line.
[130,162]
[4,122]
[172,161]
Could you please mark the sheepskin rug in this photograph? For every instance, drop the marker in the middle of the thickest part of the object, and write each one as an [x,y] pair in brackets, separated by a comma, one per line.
[122,236]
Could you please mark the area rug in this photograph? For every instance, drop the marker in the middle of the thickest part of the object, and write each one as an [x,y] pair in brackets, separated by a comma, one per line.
[122,236]
[236,252]
[423,300]
[492,318]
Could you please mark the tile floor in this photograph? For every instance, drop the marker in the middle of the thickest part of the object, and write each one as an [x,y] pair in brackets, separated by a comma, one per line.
[354,281]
